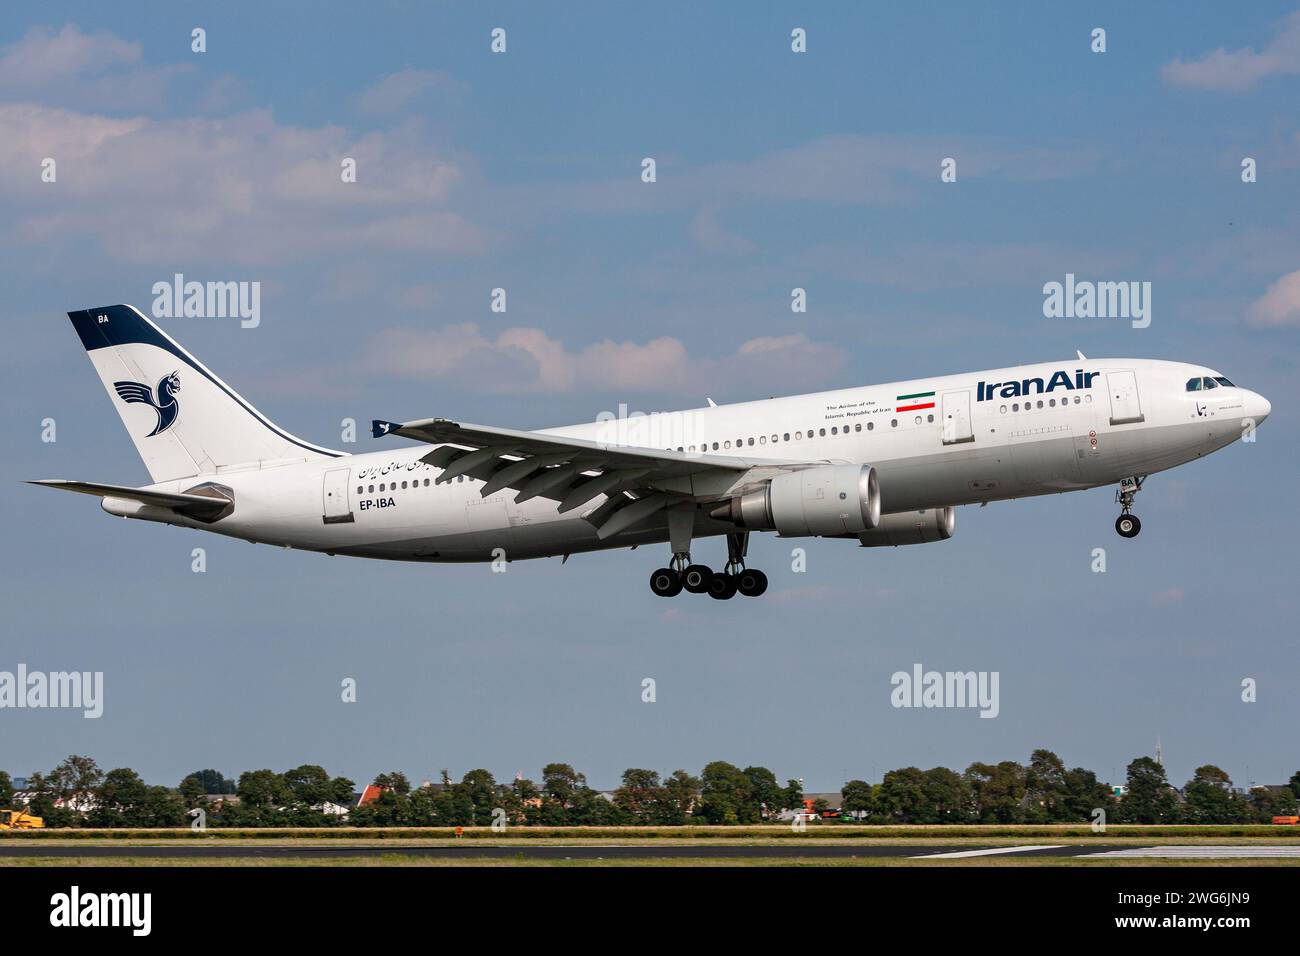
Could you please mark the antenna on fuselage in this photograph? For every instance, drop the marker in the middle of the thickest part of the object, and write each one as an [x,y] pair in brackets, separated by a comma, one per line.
[1082,357]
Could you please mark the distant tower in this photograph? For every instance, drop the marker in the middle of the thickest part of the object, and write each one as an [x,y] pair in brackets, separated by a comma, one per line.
[1160,753]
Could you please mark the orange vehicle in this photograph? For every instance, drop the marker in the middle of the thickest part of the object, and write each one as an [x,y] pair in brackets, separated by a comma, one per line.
[20,820]
[1285,820]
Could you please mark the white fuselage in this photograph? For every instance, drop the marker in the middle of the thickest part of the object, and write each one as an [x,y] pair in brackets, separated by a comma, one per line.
[1083,423]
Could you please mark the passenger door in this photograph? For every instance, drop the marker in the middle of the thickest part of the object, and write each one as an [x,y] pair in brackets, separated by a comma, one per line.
[335,504]
[1125,406]
[956,418]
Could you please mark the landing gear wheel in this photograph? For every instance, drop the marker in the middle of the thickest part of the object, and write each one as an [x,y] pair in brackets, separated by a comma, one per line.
[751,583]
[1128,525]
[696,578]
[722,587]
[666,583]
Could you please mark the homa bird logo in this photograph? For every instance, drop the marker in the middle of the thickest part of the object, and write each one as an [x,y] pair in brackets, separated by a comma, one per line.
[164,404]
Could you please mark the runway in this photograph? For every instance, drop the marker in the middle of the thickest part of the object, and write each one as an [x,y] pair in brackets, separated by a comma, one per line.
[474,850]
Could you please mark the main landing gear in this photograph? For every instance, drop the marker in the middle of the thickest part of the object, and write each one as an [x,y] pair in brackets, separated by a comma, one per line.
[1127,524]
[722,585]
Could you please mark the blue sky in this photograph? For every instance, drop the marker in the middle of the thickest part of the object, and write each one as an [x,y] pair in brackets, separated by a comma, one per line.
[775,170]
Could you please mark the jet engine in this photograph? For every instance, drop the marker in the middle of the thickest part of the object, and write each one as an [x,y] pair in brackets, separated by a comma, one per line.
[911,527]
[824,500]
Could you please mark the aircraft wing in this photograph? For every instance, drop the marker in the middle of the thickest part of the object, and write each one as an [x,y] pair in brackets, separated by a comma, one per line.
[638,482]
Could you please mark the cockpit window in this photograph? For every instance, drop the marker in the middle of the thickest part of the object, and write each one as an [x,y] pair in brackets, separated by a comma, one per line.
[1193,384]
[1209,382]
[1223,381]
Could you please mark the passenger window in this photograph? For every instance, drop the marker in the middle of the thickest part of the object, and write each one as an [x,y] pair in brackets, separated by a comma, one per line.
[893,423]
[1015,407]
[918,419]
[871,426]
[929,418]
[426,482]
[774,439]
[372,490]
[1003,409]
[798,436]
[751,441]
[726,444]
[834,430]
[715,446]
[857,427]
[1076,399]
[1193,384]
[787,437]
[762,439]
[358,489]
[821,432]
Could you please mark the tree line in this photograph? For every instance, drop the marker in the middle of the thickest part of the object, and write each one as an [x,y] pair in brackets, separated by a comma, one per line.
[77,793]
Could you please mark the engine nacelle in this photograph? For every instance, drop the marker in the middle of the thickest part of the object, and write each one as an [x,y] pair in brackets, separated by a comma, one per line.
[911,527]
[825,500]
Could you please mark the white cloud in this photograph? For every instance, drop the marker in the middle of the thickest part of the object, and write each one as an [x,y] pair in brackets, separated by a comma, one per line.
[1280,303]
[1168,597]
[837,169]
[529,361]
[945,264]
[89,70]
[712,236]
[399,91]
[1235,71]
[242,187]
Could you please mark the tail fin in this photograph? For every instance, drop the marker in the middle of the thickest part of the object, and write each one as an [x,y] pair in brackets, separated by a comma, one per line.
[183,419]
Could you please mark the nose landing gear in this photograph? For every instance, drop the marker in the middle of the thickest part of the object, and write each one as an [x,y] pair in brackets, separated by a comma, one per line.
[1127,524]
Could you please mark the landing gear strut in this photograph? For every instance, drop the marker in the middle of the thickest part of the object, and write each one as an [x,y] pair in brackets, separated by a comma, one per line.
[1127,524]
[682,575]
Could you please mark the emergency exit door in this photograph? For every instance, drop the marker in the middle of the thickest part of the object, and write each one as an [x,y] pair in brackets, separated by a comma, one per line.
[1125,406]
[334,497]
[956,418]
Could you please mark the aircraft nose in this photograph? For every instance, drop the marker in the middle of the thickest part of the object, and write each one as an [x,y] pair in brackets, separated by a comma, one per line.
[1257,406]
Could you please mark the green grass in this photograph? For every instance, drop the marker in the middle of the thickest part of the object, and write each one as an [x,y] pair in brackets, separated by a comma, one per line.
[775,832]
[401,860]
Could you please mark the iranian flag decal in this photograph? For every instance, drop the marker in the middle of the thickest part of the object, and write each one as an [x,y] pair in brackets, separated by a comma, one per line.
[912,403]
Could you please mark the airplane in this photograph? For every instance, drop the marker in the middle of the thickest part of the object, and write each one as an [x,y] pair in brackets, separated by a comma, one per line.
[882,465]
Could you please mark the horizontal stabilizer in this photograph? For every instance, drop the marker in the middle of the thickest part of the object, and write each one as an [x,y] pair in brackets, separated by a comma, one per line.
[196,506]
